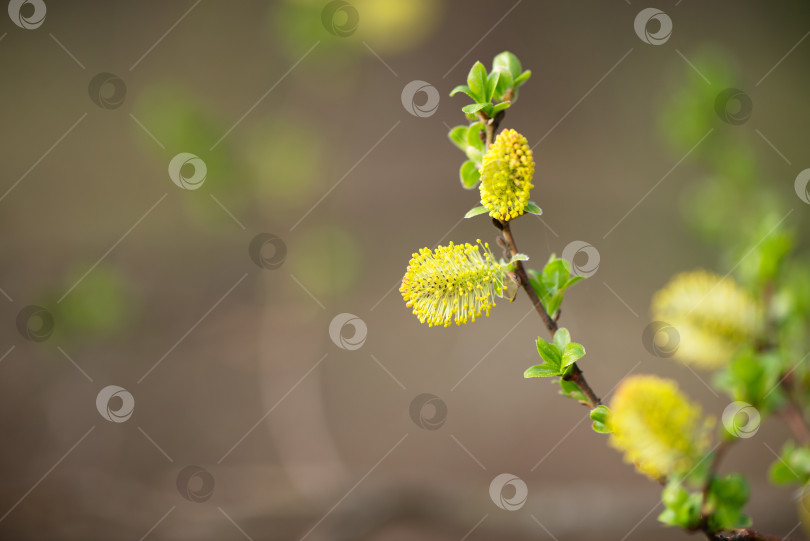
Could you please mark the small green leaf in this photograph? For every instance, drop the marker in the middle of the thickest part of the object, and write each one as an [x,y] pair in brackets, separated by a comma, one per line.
[518,257]
[780,474]
[532,208]
[549,353]
[562,338]
[541,371]
[462,88]
[477,82]
[509,62]
[476,211]
[458,136]
[505,82]
[469,175]
[570,389]
[572,353]
[600,415]
[492,83]
[500,107]
[473,136]
[522,78]
[475,107]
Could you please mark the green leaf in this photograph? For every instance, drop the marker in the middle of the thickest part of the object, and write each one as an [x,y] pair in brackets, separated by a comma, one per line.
[509,62]
[475,107]
[500,107]
[469,174]
[492,83]
[522,78]
[562,338]
[549,353]
[570,389]
[518,257]
[476,211]
[473,136]
[458,136]
[505,82]
[532,208]
[477,82]
[541,371]
[780,474]
[600,416]
[572,353]
[462,88]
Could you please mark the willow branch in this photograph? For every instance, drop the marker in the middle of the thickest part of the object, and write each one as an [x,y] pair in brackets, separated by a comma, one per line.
[576,376]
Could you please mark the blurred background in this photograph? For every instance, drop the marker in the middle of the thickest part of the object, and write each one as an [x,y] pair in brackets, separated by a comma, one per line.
[195,194]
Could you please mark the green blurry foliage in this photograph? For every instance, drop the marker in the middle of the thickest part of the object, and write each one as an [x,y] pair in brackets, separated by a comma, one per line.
[100,307]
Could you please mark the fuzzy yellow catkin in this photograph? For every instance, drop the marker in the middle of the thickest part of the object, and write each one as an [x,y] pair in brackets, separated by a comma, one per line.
[453,283]
[656,426]
[506,176]
[712,314]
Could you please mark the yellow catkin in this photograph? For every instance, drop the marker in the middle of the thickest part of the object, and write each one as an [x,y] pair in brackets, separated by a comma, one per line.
[506,176]
[453,283]
[713,316]
[656,426]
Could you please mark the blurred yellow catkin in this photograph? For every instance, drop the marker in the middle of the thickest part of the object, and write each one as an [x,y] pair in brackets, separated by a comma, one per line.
[656,426]
[713,316]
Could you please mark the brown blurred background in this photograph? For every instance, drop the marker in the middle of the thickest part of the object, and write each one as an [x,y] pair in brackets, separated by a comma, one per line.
[152,287]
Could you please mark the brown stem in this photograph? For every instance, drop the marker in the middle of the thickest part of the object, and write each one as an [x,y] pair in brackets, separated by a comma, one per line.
[795,420]
[745,534]
[576,376]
